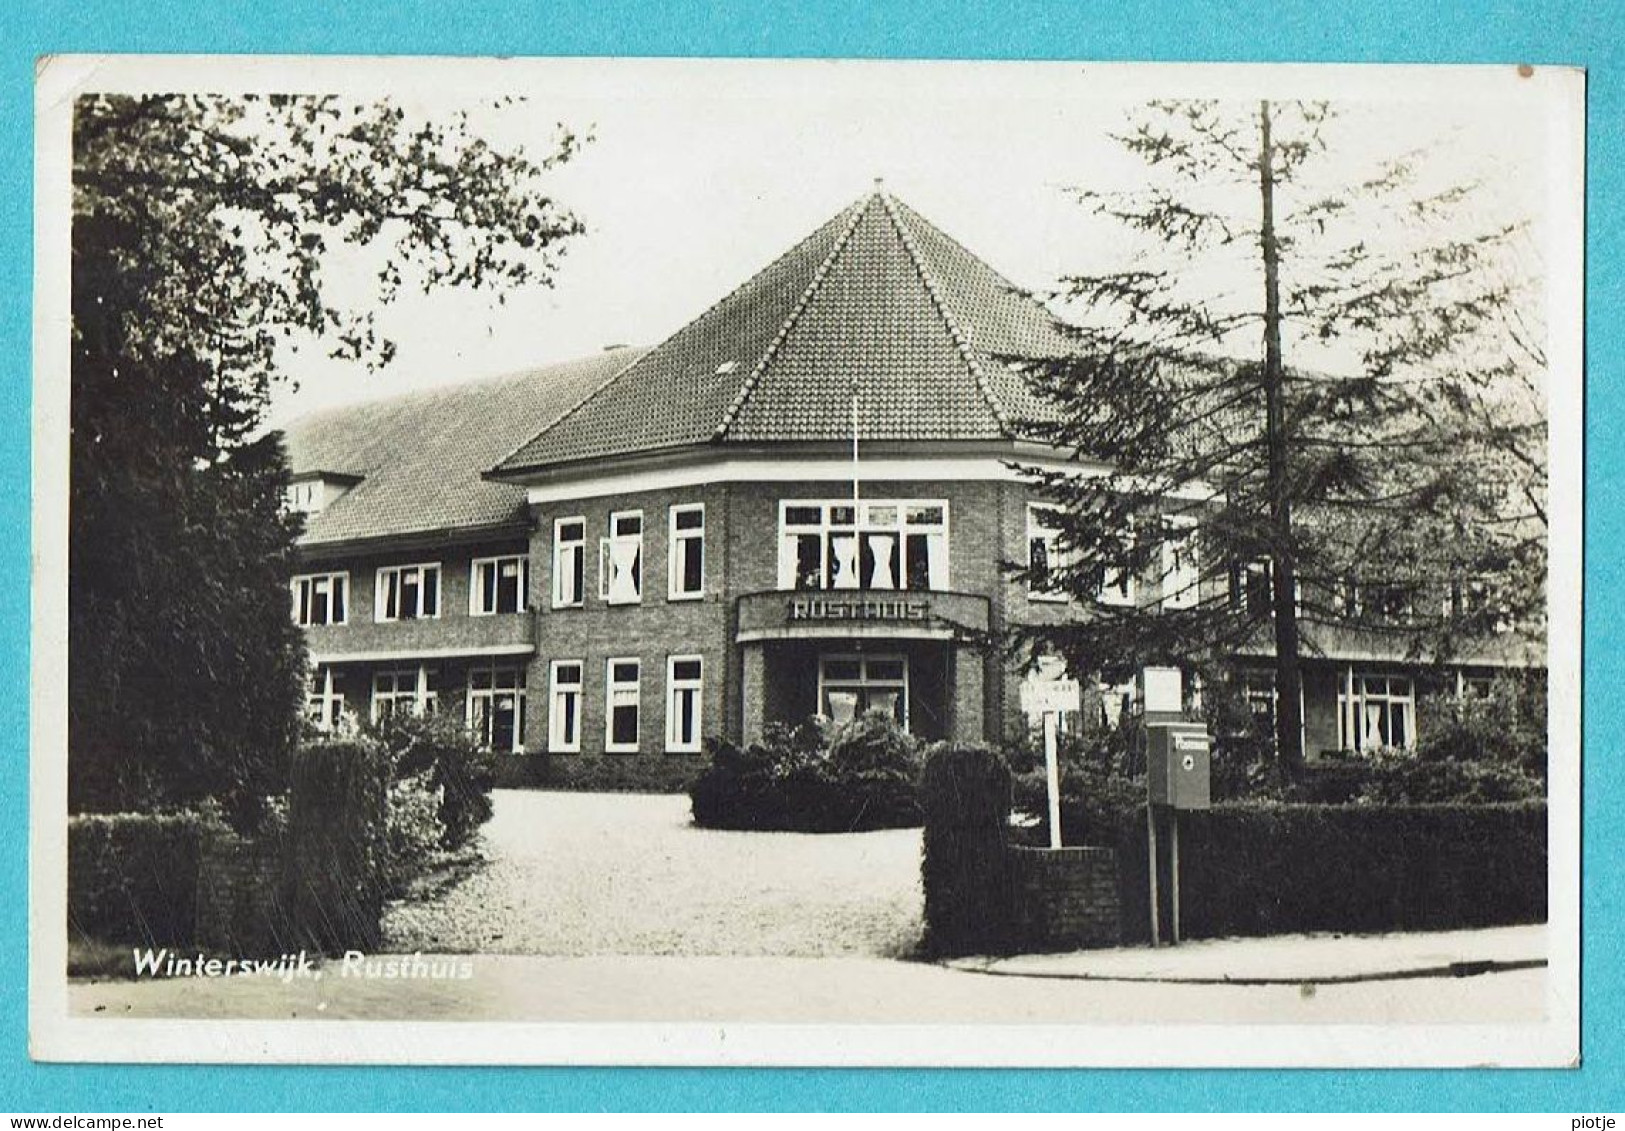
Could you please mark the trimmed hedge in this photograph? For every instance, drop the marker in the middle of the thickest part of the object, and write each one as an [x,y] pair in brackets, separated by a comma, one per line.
[790,782]
[339,867]
[133,877]
[1266,869]
[965,795]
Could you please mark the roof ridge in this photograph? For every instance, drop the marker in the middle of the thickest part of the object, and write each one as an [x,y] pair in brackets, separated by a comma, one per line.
[654,352]
[961,343]
[559,419]
[753,378]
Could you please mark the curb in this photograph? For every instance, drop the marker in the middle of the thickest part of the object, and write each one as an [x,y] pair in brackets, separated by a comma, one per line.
[1462,969]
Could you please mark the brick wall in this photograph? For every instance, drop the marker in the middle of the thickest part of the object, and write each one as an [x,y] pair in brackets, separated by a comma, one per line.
[1063,898]
[240,886]
[650,631]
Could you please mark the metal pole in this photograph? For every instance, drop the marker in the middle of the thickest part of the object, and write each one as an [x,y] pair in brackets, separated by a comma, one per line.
[1151,839]
[1052,775]
[1173,848]
[854,440]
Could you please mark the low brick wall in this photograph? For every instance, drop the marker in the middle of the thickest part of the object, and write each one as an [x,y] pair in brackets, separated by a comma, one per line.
[1063,898]
[241,896]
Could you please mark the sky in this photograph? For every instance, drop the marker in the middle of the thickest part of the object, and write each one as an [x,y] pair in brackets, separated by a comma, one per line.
[701,172]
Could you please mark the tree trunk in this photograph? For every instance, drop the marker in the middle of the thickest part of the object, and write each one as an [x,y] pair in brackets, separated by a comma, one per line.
[1288,679]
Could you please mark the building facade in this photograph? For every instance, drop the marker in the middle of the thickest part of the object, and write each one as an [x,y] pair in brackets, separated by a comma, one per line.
[803,503]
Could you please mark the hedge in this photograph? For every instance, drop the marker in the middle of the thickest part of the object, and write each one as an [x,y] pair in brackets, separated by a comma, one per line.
[859,778]
[1266,869]
[133,877]
[965,796]
[338,850]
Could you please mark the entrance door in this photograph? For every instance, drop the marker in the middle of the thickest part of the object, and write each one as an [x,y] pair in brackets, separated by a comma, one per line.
[850,685]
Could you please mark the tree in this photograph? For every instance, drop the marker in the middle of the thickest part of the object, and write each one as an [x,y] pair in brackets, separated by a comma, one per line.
[204,229]
[1269,503]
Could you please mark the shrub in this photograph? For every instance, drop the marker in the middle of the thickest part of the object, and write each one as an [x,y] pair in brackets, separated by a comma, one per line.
[1093,801]
[413,830]
[1272,868]
[439,754]
[803,779]
[1506,727]
[132,877]
[965,798]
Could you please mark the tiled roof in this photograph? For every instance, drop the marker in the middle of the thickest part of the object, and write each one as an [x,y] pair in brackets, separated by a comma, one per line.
[877,298]
[420,456]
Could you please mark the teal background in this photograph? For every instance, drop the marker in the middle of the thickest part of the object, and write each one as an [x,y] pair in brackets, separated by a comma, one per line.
[1579,32]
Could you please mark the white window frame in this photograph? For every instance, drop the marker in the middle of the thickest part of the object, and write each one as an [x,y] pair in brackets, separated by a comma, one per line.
[557,743]
[675,743]
[313,579]
[606,550]
[517,673]
[324,703]
[380,599]
[1354,693]
[423,699]
[674,555]
[938,566]
[478,598]
[1181,564]
[611,686]
[1054,558]
[578,566]
[864,681]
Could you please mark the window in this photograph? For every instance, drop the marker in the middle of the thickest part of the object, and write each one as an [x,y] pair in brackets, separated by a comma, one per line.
[683,685]
[1116,587]
[496,708]
[404,690]
[408,592]
[319,598]
[1257,691]
[1047,556]
[1387,601]
[621,714]
[305,497]
[564,707]
[569,562]
[849,686]
[1375,711]
[686,552]
[883,544]
[620,559]
[1250,588]
[498,585]
[1044,553]
[1181,572]
[324,698]
[1470,601]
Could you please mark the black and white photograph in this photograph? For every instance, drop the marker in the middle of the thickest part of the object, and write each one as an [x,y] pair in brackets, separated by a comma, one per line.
[698,561]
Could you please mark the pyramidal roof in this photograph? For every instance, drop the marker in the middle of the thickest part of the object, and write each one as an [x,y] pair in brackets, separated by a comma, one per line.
[878,299]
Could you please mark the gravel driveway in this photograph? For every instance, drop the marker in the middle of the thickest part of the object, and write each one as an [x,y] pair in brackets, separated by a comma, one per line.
[605,873]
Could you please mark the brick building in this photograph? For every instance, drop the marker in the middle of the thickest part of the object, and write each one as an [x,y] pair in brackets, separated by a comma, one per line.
[800,503]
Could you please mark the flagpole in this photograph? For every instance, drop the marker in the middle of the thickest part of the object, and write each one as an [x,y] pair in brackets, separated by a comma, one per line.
[854,439]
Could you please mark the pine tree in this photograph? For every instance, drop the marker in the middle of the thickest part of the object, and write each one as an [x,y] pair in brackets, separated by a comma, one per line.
[1265,503]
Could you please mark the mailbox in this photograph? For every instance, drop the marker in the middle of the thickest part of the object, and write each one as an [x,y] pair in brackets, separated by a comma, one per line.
[1178,761]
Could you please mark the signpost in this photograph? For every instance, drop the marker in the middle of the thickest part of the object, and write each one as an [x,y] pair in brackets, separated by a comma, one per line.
[1050,697]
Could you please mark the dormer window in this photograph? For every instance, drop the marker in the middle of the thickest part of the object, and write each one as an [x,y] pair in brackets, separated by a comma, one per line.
[308,493]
